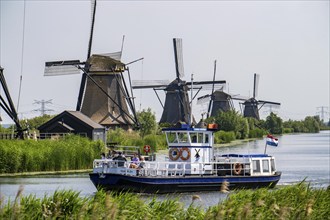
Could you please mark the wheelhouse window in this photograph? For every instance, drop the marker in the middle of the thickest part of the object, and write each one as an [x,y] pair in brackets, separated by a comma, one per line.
[193,138]
[206,139]
[196,137]
[265,166]
[183,137]
[171,137]
[256,166]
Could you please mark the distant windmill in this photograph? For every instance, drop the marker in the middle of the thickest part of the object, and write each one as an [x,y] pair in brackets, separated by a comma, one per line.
[177,105]
[103,94]
[218,100]
[252,105]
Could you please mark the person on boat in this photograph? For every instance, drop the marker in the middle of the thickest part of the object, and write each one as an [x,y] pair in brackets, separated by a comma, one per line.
[121,159]
[142,163]
[134,161]
[103,156]
[140,167]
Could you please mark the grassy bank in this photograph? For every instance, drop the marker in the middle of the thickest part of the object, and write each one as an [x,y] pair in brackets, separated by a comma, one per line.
[24,156]
[292,202]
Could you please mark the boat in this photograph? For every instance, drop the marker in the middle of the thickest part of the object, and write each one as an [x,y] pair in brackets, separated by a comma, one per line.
[192,165]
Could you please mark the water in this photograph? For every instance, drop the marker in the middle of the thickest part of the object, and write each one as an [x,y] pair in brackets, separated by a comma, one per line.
[299,157]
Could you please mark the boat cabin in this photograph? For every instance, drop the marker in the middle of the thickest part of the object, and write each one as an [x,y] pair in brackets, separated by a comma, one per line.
[191,145]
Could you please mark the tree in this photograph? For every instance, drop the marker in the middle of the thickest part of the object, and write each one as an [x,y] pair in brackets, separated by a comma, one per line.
[34,123]
[274,123]
[311,124]
[147,120]
[229,120]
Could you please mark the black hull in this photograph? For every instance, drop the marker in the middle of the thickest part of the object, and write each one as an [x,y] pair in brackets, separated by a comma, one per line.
[116,182]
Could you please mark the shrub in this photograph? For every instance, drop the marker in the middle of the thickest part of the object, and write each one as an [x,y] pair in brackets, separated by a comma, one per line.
[224,137]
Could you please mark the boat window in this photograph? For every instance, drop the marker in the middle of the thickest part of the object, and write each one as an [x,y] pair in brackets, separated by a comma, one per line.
[200,138]
[272,163]
[196,137]
[265,166]
[256,166]
[193,137]
[171,137]
[183,137]
[206,140]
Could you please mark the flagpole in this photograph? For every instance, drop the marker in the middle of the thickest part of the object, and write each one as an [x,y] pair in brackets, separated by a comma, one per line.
[265,147]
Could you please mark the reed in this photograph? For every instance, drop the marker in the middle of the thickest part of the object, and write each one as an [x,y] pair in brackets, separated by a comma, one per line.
[292,202]
[17,156]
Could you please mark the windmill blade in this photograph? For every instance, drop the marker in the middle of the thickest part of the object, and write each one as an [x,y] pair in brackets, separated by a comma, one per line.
[204,99]
[255,85]
[178,56]
[66,67]
[208,85]
[207,82]
[268,102]
[214,72]
[145,84]
[92,28]
[238,97]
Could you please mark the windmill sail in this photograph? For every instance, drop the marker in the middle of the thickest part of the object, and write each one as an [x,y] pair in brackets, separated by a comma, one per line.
[103,95]
[178,57]
[177,104]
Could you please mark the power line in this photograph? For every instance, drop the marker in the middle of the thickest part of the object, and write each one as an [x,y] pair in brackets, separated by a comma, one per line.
[323,111]
[43,108]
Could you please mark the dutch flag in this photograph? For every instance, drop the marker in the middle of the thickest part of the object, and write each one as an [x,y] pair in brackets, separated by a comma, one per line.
[271,140]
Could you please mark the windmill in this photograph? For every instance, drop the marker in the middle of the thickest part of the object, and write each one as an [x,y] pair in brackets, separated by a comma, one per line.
[177,105]
[103,94]
[218,100]
[252,105]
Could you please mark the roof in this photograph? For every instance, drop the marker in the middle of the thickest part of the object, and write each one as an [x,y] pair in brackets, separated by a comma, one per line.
[85,119]
[76,114]
[245,155]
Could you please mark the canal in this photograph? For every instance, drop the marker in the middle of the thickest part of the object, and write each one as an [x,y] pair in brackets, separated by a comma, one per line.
[299,157]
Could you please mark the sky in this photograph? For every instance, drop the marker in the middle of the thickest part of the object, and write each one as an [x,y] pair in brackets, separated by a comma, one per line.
[285,42]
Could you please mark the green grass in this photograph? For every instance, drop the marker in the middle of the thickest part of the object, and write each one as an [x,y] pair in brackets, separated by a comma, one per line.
[291,202]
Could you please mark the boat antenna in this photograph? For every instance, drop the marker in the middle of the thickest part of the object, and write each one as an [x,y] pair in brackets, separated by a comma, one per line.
[191,103]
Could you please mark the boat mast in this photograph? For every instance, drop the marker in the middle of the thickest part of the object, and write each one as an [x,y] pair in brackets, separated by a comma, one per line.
[191,102]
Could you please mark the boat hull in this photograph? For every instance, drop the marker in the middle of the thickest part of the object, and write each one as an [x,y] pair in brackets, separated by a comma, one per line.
[172,184]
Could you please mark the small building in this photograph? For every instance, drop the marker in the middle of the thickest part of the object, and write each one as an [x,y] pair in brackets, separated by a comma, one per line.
[73,122]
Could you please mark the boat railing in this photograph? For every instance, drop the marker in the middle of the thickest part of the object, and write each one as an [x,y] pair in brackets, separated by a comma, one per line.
[166,168]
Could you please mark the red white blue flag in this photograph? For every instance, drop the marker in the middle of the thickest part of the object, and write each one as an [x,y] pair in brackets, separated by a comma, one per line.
[271,140]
